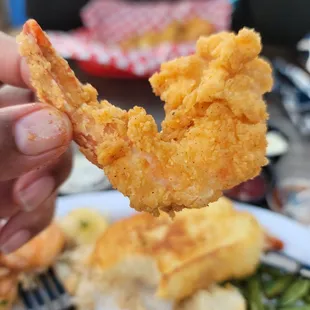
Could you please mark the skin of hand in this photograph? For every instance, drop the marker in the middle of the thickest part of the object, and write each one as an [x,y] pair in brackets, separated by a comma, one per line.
[35,156]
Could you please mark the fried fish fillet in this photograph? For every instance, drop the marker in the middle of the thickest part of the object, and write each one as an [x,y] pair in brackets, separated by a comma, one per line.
[198,248]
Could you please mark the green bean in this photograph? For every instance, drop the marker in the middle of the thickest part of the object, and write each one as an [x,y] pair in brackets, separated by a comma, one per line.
[274,272]
[3,303]
[236,283]
[254,294]
[304,307]
[295,291]
[276,287]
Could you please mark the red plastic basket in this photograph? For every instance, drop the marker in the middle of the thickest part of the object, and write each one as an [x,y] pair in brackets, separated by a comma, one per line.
[96,46]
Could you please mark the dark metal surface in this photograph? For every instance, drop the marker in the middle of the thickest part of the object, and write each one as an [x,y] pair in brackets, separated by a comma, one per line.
[282,22]
[57,14]
[4,18]
[282,261]
[47,292]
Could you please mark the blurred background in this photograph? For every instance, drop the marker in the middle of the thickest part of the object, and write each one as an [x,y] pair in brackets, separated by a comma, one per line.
[116,45]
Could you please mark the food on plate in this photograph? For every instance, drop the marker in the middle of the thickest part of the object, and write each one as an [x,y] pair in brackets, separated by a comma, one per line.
[215,298]
[213,136]
[82,275]
[146,262]
[8,290]
[38,253]
[176,32]
[276,288]
[277,144]
[72,264]
[83,226]
[195,250]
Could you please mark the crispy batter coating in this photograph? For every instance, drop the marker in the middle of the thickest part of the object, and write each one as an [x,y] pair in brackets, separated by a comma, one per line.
[213,136]
[196,249]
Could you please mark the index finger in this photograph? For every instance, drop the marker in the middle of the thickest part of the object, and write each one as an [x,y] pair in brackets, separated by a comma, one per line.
[13,70]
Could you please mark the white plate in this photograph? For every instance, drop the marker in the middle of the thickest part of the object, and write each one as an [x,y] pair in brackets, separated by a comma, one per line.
[84,177]
[295,236]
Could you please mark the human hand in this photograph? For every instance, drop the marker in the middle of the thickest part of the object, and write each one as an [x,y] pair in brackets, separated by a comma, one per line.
[34,153]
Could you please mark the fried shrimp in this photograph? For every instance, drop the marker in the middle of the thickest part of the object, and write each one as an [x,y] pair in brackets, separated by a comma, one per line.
[213,136]
[8,290]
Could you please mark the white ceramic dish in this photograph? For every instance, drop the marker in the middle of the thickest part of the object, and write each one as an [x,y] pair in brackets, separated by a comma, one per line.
[295,236]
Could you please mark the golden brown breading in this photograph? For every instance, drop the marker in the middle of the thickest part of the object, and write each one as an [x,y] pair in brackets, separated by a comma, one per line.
[213,136]
[196,249]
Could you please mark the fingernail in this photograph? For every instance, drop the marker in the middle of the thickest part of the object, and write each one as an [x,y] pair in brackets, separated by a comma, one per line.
[41,131]
[16,241]
[36,193]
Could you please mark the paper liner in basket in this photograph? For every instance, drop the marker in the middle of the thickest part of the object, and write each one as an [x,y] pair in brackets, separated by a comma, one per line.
[109,22]
[113,21]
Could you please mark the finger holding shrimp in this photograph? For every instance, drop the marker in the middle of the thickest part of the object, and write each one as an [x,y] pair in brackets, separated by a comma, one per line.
[38,211]
[29,191]
[31,133]
[34,151]
[23,226]
[14,69]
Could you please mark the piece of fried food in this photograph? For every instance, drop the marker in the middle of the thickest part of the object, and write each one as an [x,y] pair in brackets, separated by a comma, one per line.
[40,252]
[8,290]
[176,32]
[196,249]
[213,136]
[194,28]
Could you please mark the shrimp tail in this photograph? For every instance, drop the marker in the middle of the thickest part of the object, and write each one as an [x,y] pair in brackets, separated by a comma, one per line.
[61,88]
[56,84]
